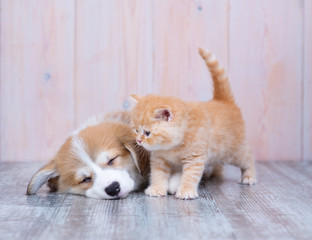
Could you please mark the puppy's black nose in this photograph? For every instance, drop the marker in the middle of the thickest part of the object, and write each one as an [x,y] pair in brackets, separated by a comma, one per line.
[113,189]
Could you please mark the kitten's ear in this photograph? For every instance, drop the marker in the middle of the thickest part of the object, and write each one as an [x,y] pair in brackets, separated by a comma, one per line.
[163,114]
[135,98]
[47,172]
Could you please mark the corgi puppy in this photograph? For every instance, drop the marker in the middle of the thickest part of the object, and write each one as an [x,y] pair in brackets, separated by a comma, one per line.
[99,160]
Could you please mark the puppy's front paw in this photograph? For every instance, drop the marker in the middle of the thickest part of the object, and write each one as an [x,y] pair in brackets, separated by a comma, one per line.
[174,183]
[186,194]
[155,191]
[248,180]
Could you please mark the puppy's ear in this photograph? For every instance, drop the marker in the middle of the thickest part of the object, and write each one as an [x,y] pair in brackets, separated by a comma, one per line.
[47,172]
[131,149]
[140,156]
[53,184]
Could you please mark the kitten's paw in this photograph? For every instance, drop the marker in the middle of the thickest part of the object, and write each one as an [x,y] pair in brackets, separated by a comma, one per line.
[186,194]
[155,192]
[248,180]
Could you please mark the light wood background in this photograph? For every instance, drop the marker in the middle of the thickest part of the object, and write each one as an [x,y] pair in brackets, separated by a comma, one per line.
[63,61]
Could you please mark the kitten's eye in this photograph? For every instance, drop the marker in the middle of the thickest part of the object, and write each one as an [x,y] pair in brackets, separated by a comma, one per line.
[111,161]
[136,130]
[86,180]
[147,133]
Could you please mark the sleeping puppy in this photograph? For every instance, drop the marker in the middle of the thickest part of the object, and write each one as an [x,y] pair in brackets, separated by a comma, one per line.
[99,160]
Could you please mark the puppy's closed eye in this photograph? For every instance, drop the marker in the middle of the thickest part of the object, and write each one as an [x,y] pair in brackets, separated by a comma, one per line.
[86,180]
[111,161]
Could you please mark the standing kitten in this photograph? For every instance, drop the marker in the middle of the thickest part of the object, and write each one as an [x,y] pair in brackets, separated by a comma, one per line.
[191,137]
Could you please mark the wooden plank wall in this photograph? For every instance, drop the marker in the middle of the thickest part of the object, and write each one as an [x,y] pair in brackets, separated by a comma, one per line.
[63,61]
[37,77]
[266,73]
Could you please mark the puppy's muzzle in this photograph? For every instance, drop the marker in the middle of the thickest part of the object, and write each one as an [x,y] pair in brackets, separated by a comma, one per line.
[113,189]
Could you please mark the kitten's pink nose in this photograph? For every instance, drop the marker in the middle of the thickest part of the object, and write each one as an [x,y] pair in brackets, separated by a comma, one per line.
[139,140]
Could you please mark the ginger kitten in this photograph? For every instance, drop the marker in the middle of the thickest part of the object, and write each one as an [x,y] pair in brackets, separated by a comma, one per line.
[192,137]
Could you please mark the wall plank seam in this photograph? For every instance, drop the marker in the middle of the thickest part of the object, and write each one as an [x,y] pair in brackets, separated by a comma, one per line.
[228,35]
[302,79]
[1,117]
[153,45]
[75,66]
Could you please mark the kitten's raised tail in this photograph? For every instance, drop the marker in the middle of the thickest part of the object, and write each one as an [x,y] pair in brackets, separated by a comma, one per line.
[222,90]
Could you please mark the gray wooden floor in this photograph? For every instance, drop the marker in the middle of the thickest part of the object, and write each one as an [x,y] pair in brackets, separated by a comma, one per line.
[278,207]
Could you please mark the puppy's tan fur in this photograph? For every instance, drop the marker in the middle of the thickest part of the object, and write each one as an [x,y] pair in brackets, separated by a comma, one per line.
[191,137]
